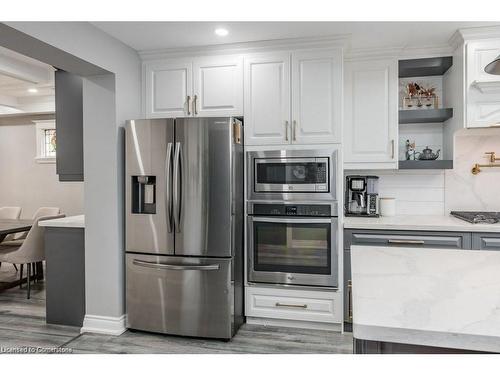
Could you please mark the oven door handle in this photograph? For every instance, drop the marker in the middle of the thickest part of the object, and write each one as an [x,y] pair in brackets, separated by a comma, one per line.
[297,221]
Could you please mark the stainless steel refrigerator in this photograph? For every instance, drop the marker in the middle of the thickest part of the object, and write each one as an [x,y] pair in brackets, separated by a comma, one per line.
[184,226]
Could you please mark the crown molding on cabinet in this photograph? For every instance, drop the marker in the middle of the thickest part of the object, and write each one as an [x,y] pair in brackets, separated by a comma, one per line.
[463,35]
[397,52]
[339,41]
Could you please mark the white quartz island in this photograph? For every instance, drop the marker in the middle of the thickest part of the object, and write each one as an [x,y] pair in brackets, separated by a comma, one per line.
[428,297]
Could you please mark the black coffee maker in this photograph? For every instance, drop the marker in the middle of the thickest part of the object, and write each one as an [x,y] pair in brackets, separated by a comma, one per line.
[361,196]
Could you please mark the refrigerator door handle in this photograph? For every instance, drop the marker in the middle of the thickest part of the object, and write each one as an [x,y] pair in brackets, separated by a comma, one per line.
[177,198]
[177,267]
[168,193]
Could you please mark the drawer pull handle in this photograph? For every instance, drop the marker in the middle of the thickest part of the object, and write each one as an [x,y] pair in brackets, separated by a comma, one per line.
[279,304]
[409,242]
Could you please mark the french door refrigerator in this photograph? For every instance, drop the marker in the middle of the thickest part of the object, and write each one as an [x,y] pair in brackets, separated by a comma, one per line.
[184,226]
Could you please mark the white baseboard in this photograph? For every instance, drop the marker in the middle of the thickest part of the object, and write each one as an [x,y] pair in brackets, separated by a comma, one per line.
[106,325]
[336,327]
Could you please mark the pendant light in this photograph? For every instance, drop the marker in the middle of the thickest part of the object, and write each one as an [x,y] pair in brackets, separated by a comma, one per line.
[493,67]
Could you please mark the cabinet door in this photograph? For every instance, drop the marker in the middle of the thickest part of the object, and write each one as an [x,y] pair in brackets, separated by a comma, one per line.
[267,99]
[347,287]
[218,86]
[168,87]
[316,96]
[69,126]
[483,89]
[486,241]
[371,114]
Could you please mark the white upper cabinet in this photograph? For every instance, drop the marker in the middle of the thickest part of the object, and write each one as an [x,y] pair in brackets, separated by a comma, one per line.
[293,98]
[208,86]
[267,99]
[371,114]
[482,89]
[317,96]
[168,86]
[218,86]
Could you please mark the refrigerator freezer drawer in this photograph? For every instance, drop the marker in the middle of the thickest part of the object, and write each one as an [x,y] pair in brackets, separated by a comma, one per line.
[180,295]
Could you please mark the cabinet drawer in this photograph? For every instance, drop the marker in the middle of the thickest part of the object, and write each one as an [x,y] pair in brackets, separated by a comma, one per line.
[450,240]
[486,241]
[310,305]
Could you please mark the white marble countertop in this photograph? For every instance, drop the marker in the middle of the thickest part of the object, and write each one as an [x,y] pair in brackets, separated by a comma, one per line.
[416,222]
[431,297]
[65,222]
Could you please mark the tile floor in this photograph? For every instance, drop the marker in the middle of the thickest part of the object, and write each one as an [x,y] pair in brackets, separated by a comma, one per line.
[22,325]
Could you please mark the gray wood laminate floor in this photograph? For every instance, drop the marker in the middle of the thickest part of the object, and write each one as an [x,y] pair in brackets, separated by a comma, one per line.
[22,324]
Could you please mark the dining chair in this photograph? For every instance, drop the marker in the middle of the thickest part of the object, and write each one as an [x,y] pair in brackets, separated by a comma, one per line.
[10,213]
[29,252]
[41,212]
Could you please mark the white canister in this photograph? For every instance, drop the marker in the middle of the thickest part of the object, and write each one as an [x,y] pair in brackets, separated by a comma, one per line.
[387,206]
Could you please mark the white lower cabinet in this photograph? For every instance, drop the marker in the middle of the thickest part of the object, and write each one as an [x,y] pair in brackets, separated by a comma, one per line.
[302,305]
[371,114]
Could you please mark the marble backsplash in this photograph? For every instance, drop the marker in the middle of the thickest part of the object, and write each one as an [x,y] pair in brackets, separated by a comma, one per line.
[465,191]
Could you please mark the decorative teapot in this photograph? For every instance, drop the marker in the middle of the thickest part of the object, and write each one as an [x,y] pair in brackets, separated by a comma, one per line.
[427,154]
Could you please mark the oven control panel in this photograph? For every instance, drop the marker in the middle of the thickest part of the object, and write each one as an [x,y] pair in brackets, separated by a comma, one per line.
[292,209]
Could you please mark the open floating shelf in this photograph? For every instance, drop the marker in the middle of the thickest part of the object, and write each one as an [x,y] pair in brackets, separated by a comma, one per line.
[426,164]
[418,116]
[434,66]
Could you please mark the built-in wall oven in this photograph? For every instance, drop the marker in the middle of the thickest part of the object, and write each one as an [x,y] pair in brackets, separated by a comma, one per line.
[292,175]
[292,217]
[293,243]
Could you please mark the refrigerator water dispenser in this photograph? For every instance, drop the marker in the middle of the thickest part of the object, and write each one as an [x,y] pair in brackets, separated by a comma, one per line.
[144,194]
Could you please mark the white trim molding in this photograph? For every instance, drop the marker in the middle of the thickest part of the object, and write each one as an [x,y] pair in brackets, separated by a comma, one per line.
[105,325]
[339,41]
[335,327]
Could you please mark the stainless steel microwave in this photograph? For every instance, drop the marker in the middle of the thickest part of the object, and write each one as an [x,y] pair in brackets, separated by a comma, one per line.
[292,174]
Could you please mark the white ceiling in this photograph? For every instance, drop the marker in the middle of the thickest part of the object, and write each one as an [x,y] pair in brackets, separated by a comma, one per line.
[19,88]
[143,36]
[18,74]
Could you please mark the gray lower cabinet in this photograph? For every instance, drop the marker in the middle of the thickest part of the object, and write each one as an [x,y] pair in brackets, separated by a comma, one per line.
[486,241]
[65,275]
[445,240]
[347,289]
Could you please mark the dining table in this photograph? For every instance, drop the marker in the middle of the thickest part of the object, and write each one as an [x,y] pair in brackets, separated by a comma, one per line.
[10,226]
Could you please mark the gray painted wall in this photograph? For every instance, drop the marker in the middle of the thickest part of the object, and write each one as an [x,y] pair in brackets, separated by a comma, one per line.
[28,184]
[103,148]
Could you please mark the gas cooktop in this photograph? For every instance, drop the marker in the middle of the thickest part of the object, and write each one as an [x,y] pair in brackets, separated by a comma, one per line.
[477,217]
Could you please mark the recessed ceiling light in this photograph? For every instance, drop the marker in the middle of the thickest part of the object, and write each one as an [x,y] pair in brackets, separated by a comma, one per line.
[32,90]
[221,32]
